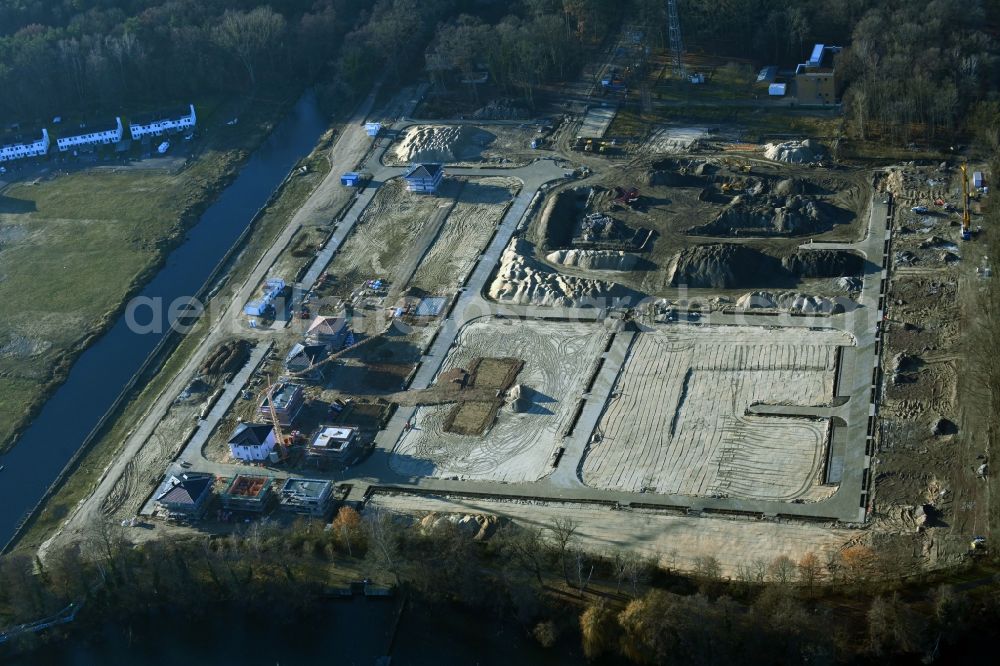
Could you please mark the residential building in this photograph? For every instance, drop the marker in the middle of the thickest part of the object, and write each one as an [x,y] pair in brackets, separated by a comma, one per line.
[252,442]
[20,148]
[329,331]
[312,497]
[247,492]
[186,496]
[102,133]
[287,400]
[334,444]
[302,361]
[816,79]
[424,178]
[160,122]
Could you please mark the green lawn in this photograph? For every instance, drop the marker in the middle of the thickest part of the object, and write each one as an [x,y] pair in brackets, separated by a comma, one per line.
[73,246]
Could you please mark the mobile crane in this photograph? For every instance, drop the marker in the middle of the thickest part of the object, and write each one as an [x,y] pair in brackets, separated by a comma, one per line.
[966,225]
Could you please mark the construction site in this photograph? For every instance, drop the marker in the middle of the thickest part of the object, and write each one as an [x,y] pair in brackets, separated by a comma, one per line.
[684,332]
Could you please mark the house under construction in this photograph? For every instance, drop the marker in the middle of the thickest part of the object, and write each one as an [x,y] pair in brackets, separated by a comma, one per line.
[312,497]
[247,492]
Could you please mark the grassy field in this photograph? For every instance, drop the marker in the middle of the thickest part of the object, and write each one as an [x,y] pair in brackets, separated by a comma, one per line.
[81,482]
[73,246]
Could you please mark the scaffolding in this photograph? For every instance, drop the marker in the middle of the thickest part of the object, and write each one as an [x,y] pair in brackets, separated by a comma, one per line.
[676,43]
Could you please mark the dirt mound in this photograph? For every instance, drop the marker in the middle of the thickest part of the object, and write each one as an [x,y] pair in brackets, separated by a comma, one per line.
[788,301]
[766,216]
[598,260]
[442,143]
[501,109]
[789,186]
[679,173]
[823,263]
[519,398]
[476,526]
[523,281]
[227,357]
[721,266]
[794,152]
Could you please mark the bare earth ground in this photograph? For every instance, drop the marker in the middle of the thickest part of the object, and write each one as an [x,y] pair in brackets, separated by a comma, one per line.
[557,359]
[677,420]
[676,542]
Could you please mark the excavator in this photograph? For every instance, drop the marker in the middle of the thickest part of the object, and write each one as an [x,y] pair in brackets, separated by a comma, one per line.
[966,226]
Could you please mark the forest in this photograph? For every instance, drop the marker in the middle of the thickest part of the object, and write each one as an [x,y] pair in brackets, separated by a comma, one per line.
[922,66]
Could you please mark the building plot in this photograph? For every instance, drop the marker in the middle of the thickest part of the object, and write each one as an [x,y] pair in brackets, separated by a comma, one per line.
[558,358]
[469,227]
[677,420]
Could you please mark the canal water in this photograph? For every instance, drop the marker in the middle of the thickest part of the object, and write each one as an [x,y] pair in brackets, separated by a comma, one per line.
[102,371]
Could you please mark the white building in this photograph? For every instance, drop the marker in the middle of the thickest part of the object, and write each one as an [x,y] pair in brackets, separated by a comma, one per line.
[252,441]
[20,149]
[105,133]
[157,123]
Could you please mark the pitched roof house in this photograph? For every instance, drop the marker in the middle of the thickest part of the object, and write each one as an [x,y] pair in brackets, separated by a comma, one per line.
[424,178]
[252,441]
[186,496]
[302,359]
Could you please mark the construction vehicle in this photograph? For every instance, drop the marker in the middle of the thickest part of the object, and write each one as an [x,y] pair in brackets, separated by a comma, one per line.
[625,197]
[966,224]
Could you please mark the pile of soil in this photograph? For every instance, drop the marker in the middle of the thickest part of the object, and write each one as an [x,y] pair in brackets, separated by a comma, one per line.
[722,266]
[794,152]
[788,301]
[501,109]
[227,357]
[770,214]
[443,143]
[521,280]
[598,260]
[679,173]
[823,263]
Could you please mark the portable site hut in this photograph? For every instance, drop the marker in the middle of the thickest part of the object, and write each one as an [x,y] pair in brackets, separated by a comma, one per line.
[372,129]
[776,90]
[977,179]
[351,179]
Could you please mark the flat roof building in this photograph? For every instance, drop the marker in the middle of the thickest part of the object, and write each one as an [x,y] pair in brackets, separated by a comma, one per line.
[334,444]
[816,78]
[287,399]
[312,497]
[247,492]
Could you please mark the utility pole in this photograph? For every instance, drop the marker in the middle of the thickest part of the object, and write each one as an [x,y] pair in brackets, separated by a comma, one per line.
[676,43]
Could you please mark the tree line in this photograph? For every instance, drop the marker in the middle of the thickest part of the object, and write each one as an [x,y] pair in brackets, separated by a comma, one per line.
[617,605]
[81,58]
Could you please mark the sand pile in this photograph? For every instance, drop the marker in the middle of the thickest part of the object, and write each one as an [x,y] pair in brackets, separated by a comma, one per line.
[788,301]
[519,399]
[475,525]
[598,260]
[721,266]
[522,281]
[442,143]
[795,152]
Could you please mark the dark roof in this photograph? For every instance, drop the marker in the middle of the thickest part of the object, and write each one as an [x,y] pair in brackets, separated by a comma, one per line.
[423,170]
[23,136]
[251,434]
[187,490]
[312,353]
[91,128]
[175,113]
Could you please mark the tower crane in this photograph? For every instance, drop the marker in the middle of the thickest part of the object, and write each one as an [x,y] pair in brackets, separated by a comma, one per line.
[966,226]
[268,393]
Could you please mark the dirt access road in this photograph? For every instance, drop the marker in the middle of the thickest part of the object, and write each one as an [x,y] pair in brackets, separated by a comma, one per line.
[350,148]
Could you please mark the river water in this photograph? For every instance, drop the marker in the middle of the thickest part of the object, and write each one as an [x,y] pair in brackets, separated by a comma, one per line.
[102,371]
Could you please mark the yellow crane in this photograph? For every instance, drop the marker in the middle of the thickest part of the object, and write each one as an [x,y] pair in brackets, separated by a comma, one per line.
[966,225]
[268,394]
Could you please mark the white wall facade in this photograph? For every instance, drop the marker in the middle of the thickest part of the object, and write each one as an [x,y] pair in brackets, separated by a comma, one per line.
[253,453]
[89,138]
[16,151]
[158,127]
